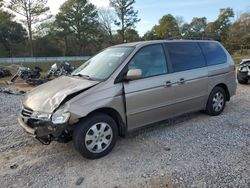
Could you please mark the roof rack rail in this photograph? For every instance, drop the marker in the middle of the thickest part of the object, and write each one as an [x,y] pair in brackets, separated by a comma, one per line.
[190,38]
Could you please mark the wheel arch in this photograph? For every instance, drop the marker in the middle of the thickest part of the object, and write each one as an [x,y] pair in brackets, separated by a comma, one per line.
[224,86]
[122,128]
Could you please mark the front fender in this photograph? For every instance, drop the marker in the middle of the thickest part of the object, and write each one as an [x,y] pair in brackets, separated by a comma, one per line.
[81,110]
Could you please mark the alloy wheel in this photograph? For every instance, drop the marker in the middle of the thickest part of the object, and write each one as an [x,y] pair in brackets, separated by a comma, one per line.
[218,101]
[98,137]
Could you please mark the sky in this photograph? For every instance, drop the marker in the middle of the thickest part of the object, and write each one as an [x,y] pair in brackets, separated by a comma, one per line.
[150,11]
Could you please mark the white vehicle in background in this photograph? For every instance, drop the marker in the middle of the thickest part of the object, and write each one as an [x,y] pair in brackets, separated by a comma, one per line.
[243,75]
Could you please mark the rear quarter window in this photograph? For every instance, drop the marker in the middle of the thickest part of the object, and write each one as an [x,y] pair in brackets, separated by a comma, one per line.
[213,53]
[185,56]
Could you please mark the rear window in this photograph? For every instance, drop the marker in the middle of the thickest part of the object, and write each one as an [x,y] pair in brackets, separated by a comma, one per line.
[213,53]
[185,56]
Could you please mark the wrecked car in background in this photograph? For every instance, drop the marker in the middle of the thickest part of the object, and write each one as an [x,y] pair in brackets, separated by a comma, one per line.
[243,74]
[32,76]
[126,87]
[4,73]
[26,73]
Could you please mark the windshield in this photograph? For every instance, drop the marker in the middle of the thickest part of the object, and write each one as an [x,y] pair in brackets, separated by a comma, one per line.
[101,66]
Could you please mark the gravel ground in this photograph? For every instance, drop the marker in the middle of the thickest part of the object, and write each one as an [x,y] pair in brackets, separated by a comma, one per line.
[194,150]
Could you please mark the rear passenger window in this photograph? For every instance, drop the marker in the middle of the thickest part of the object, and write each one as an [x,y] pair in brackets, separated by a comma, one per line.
[213,52]
[185,56]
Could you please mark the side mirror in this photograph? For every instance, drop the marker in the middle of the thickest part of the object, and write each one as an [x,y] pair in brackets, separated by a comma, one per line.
[133,74]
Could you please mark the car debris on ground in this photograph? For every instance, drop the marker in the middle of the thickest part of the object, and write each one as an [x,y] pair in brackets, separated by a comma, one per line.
[30,76]
[12,91]
[4,73]
[26,73]
[14,166]
[79,180]
[33,76]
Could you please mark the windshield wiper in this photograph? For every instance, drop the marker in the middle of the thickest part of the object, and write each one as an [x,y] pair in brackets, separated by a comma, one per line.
[83,76]
[79,75]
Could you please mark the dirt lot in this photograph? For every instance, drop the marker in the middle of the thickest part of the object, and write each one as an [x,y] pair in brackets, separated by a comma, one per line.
[194,150]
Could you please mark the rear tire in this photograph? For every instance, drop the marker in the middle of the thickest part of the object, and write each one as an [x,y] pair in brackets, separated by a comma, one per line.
[216,102]
[95,136]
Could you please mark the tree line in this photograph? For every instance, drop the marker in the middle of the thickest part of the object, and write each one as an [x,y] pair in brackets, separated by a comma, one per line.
[79,28]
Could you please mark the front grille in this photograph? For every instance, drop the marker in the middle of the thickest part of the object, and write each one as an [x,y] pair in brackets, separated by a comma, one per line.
[26,112]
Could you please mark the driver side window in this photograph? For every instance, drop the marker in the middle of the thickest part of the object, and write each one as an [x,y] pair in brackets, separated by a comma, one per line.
[150,60]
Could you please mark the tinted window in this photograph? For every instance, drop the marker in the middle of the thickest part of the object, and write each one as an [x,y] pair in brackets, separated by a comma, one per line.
[185,56]
[151,60]
[213,52]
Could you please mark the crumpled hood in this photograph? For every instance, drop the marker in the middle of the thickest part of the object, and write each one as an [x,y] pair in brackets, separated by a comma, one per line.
[48,97]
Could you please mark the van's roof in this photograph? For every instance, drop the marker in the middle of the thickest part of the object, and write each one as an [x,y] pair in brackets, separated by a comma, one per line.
[134,44]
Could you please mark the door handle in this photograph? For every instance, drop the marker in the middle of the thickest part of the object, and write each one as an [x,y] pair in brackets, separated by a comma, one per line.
[168,84]
[181,81]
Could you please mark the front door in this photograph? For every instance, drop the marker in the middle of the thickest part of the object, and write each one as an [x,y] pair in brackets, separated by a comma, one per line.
[149,99]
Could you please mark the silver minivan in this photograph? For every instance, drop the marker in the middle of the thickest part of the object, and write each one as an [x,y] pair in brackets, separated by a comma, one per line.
[126,87]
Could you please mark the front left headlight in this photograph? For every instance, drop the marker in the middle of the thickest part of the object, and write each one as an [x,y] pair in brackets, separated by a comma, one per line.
[60,118]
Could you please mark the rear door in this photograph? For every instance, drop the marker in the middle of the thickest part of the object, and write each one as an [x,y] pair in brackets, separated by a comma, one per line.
[220,66]
[149,99]
[190,76]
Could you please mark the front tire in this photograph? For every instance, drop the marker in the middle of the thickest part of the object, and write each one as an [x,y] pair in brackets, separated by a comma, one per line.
[95,136]
[216,102]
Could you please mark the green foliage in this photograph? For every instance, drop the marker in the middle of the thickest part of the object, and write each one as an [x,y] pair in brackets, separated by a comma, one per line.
[149,35]
[11,32]
[34,12]
[223,21]
[78,18]
[220,27]
[196,29]
[127,16]
[167,28]
[198,25]
[80,29]
[239,34]
[47,45]
[131,36]
[106,20]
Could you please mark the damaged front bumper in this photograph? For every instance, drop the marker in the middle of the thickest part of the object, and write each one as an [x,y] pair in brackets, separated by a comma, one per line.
[28,129]
[45,132]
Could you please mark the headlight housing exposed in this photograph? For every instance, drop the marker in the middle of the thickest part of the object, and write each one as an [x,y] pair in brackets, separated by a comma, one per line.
[61,116]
